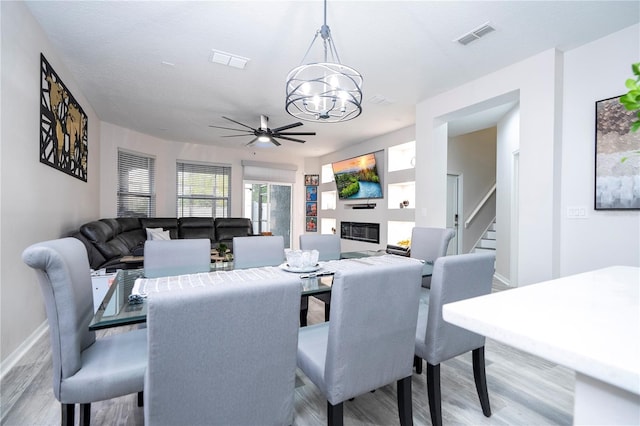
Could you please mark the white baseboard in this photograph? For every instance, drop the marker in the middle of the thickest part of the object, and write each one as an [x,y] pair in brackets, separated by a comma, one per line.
[15,356]
[502,279]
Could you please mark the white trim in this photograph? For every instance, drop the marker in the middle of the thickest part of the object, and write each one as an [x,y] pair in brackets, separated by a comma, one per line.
[15,356]
[504,280]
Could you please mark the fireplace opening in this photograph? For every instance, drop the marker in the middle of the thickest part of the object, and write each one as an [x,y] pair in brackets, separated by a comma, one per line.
[360,231]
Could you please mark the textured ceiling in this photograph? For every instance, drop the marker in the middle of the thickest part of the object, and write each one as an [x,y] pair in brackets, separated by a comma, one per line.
[404,50]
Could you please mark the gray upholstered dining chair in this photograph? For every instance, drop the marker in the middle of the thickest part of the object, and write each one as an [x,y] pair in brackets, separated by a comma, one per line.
[454,278]
[429,244]
[236,365]
[253,252]
[164,258]
[85,369]
[369,340]
[328,246]
[257,251]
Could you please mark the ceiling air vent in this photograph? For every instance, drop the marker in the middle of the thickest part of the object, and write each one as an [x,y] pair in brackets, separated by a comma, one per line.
[475,34]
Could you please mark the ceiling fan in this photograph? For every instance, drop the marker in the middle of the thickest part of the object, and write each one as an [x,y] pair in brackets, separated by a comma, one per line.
[265,134]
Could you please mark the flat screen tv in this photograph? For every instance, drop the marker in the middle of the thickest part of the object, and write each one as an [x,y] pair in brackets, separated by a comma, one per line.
[357,178]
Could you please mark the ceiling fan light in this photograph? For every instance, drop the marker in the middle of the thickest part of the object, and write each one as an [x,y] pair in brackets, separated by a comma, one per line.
[264,138]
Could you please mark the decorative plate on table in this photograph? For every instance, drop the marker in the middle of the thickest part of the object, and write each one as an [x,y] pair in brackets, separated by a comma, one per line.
[288,268]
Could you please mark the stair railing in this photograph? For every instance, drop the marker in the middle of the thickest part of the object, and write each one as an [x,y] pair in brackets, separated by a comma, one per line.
[480,205]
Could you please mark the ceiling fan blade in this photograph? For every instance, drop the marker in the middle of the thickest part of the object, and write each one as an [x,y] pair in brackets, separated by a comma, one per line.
[290,139]
[295,134]
[235,136]
[229,128]
[275,142]
[237,122]
[288,126]
[252,142]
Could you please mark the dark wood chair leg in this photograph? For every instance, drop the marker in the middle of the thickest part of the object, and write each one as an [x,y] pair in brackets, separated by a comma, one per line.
[334,414]
[327,311]
[417,363]
[141,399]
[433,390]
[480,378]
[405,408]
[85,414]
[68,414]
[304,309]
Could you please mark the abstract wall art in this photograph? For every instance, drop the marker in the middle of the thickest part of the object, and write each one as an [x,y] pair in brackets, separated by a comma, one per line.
[63,126]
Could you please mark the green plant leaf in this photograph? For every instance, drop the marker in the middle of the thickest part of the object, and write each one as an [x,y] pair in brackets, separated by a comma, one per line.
[635,68]
[635,126]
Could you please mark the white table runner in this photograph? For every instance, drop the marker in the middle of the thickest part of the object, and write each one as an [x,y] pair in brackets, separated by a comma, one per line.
[145,286]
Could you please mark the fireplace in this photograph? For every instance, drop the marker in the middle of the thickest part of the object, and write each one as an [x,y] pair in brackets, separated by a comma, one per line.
[360,231]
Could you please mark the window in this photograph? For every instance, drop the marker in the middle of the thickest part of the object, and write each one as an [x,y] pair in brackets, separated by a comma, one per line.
[203,190]
[136,185]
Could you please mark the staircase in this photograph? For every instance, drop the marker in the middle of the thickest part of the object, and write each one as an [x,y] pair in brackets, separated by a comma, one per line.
[488,241]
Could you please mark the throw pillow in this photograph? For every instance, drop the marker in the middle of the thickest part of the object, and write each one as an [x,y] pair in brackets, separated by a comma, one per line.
[157,234]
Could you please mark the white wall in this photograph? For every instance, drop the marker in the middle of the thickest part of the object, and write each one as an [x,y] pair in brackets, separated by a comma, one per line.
[535,79]
[167,152]
[594,72]
[473,156]
[38,201]
[380,214]
[508,143]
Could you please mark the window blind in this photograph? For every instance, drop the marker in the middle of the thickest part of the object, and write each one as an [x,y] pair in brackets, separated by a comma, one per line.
[136,185]
[203,190]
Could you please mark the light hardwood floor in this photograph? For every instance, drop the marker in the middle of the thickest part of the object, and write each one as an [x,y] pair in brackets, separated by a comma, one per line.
[523,390]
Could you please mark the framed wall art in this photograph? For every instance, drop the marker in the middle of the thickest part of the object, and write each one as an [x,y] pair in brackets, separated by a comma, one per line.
[617,162]
[311,180]
[63,126]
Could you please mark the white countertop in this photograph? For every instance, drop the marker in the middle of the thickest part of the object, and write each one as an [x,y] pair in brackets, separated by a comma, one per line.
[588,322]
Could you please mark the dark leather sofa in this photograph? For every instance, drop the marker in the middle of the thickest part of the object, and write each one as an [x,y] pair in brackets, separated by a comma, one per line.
[108,240]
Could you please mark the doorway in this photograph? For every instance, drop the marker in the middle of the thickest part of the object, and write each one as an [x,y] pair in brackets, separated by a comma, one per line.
[268,205]
[454,203]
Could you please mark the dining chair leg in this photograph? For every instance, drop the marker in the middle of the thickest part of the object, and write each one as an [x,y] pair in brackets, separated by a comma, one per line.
[405,408]
[141,399]
[334,414]
[68,414]
[480,377]
[304,310]
[327,311]
[433,391]
[85,414]
[417,363]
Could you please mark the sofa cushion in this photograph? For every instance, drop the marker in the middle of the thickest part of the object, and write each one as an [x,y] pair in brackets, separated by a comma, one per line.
[129,223]
[229,227]
[113,224]
[196,227]
[98,233]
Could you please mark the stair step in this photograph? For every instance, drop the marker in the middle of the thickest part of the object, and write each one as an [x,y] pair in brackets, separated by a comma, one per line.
[484,243]
[484,250]
[492,227]
[490,235]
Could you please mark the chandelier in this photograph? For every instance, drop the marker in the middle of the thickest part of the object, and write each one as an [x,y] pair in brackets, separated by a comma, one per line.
[324,91]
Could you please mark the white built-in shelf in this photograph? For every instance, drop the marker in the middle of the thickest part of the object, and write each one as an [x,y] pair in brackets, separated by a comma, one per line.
[328,200]
[326,174]
[402,157]
[328,225]
[397,193]
[398,231]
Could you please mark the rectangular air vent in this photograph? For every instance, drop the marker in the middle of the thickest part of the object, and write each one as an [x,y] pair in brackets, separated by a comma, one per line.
[475,34]
[229,59]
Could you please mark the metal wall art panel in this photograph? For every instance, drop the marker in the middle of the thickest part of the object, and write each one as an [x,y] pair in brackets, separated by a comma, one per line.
[63,126]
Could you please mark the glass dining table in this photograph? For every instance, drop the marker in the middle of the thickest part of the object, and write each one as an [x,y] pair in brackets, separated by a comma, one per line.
[117,309]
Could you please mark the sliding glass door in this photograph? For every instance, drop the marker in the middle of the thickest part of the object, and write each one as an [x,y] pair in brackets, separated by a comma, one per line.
[268,205]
